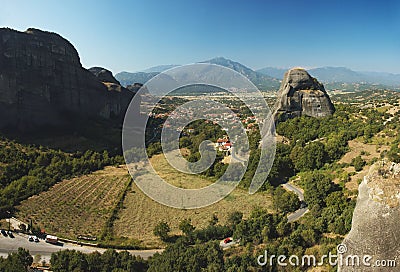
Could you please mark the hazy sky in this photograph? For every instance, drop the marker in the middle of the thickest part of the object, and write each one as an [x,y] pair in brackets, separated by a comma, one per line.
[134,35]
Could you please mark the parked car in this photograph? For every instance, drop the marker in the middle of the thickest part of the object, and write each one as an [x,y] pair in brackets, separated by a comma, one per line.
[10,234]
[36,239]
[3,232]
[51,239]
[30,238]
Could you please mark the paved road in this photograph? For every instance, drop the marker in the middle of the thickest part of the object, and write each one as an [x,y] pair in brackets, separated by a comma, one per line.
[294,189]
[297,214]
[300,212]
[44,249]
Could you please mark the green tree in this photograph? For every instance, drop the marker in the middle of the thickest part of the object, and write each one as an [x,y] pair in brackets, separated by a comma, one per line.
[358,163]
[68,260]
[181,257]
[285,201]
[310,157]
[317,187]
[394,152]
[234,218]
[94,261]
[17,261]
[162,230]
[186,226]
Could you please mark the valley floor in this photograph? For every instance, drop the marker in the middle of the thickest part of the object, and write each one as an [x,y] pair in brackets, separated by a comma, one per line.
[141,214]
[82,206]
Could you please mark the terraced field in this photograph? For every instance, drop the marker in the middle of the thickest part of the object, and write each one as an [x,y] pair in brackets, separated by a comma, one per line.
[79,206]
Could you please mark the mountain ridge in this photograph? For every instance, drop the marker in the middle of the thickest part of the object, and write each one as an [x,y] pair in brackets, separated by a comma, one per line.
[332,74]
[263,82]
[268,78]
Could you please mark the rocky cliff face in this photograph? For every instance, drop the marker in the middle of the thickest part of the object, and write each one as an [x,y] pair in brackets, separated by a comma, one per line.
[300,94]
[375,230]
[42,81]
[104,75]
[118,97]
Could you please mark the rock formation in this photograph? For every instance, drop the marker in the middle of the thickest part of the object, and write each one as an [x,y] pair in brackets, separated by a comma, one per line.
[375,230]
[115,103]
[301,94]
[104,75]
[42,81]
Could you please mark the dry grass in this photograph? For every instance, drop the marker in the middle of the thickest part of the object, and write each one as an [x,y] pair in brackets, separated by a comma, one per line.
[355,150]
[79,206]
[384,108]
[176,178]
[141,214]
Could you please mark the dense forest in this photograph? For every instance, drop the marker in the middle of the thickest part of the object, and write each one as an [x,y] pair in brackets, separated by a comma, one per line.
[71,260]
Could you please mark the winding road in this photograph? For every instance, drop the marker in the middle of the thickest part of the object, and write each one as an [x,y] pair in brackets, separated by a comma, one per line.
[300,212]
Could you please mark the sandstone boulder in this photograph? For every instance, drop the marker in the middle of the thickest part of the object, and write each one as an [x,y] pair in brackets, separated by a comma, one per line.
[301,94]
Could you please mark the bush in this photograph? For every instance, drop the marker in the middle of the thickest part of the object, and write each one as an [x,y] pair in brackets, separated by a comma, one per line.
[162,230]
[358,163]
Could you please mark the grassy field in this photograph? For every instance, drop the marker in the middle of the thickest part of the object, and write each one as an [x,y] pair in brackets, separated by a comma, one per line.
[141,214]
[176,178]
[78,206]
[356,148]
[81,206]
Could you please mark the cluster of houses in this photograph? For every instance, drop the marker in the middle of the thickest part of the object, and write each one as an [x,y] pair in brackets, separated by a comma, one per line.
[224,144]
[250,123]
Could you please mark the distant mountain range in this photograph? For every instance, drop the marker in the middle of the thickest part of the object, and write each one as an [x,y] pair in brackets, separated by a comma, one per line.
[127,78]
[262,81]
[269,78]
[329,75]
[159,68]
[273,72]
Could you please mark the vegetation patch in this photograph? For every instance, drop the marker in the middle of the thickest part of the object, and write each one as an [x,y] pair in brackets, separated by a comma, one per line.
[141,214]
[78,206]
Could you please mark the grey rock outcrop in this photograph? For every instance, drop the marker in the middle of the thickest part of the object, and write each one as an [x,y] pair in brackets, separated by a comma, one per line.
[136,87]
[104,75]
[115,103]
[375,230]
[42,81]
[301,94]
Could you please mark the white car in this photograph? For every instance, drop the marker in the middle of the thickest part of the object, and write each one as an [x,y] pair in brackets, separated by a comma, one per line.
[33,238]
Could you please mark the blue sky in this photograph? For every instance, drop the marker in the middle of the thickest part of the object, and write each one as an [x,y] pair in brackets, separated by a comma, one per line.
[134,35]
